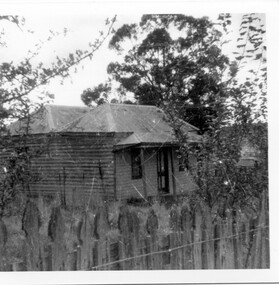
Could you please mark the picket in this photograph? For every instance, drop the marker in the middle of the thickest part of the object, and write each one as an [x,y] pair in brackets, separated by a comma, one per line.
[186,226]
[31,224]
[56,231]
[3,240]
[197,239]
[208,235]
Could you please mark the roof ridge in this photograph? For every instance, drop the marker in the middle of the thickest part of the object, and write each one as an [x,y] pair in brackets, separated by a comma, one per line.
[132,105]
[67,106]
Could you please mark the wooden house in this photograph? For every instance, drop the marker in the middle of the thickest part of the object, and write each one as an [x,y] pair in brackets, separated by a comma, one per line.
[120,151]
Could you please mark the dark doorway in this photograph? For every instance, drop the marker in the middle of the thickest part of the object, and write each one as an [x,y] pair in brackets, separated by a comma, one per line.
[163,171]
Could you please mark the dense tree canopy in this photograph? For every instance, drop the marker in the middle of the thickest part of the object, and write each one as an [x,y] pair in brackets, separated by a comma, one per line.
[173,58]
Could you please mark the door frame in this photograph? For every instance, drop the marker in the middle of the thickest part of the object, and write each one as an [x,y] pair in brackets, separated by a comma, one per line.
[163,171]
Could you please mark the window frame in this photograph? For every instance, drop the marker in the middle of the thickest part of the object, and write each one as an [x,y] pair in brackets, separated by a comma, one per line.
[136,163]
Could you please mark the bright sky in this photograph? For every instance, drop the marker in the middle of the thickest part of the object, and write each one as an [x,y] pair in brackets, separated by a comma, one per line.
[81,30]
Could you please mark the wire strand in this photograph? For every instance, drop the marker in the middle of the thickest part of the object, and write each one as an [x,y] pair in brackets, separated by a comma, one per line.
[175,248]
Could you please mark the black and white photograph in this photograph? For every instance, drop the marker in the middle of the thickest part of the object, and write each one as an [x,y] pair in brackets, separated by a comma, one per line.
[135,140]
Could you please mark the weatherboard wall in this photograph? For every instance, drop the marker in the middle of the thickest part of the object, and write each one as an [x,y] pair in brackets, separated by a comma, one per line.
[76,166]
[126,187]
[73,166]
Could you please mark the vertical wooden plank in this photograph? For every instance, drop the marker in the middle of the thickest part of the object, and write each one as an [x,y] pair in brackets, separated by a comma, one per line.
[143,172]
[267,247]
[175,226]
[174,262]
[103,253]
[149,263]
[95,254]
[222,244]
[229,241]
[208,246]
[71,263]
[258,256]
[166,259]
[78,258]
[217,236]
[114,255]
[31,223]
[237,240]
[152,241]
[197,247]
[18,266]
[56,229]
[86,236]
[47,257]
[136,251]
[122,256]
[174,219]
[3,240]
[250,236]
[244,224]
[143,250]
[180,250]
[186,227]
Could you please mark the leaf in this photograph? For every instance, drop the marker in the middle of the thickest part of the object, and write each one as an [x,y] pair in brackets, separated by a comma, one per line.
[239,57]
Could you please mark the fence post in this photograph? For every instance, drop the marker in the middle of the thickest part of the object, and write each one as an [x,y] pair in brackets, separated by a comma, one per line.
[266,261]
[217,242]
[86,237]
[208,246]
[176,257]
[258,254]
[229,254]
[152,241]
[56,229]
[47,257]
[135,239]
[186,226]
[250,237]
[31,223]
[125,228]
[237,240]
[197,238]
[114,254]
[71,261]
[3,240]
[143,250]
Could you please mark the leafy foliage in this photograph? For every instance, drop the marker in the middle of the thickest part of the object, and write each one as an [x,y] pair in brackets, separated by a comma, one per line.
[240,122]
[18,82]
[98,94]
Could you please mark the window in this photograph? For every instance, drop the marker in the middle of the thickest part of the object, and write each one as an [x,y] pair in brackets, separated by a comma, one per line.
[136,163]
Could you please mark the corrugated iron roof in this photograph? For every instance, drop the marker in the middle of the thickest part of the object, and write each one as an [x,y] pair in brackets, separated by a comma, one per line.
[147,124]
[49,118]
